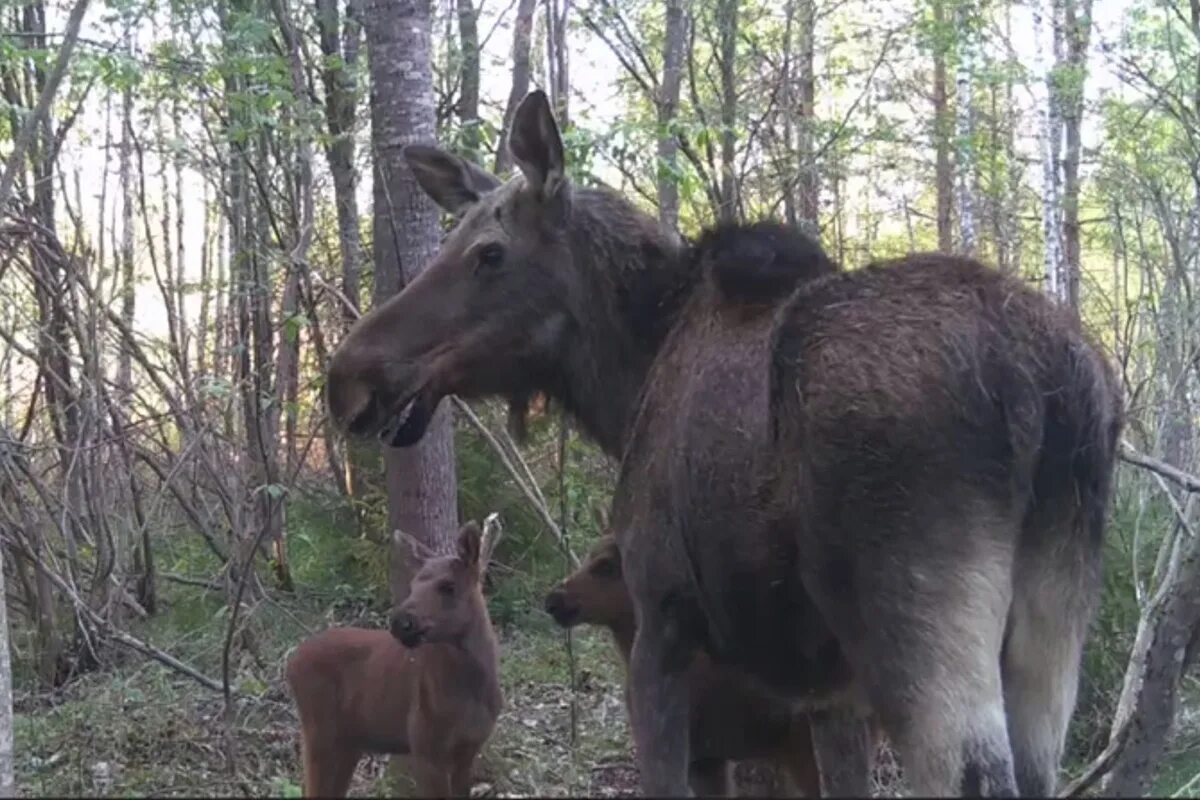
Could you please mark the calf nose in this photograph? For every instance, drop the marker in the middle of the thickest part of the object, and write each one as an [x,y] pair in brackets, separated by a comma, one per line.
[403,625]
[554,602]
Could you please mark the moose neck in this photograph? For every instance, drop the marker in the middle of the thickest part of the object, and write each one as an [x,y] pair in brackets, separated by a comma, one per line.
[635,276]
[478,652]
[623,634]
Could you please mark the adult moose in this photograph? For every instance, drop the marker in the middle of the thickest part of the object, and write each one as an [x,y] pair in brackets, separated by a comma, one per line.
[889,489]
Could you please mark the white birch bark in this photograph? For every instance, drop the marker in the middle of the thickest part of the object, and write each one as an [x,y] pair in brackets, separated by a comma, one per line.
[964,130]
[1049,132]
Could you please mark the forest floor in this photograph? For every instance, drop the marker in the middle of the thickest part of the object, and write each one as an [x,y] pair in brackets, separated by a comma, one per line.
[135,728]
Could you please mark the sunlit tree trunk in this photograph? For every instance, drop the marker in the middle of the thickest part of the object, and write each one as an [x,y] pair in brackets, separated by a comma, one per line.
[1050,135]
[468,99]
[1077,24]
[7,784]
[668,106]
[421,486]
[965,129]
[727,33]
[521,47]
[944,174]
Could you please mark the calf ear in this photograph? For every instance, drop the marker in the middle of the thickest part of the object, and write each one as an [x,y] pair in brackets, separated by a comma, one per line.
[537,147]
[454,183]
[468,544]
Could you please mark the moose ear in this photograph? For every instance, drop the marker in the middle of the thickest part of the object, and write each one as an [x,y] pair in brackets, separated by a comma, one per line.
[536,145]
[454,183]
[468,544]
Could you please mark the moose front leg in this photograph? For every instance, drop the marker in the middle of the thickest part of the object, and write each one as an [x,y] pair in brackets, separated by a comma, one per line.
[658,698]
[844,750]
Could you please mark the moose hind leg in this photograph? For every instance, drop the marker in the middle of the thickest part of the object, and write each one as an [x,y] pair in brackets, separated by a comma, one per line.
[710,777]
[844,753]
[659,710]
[1052,605]
[922,629]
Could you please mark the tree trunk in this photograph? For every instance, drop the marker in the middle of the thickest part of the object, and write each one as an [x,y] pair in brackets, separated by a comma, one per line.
[557,58]
[668,105]
[944,175]
[521,46]
[1152,714]
[809,178]
[420,480]
[341,100]
[7,784]
[727,31]
[1045,18]
[468,99]
[128,296]
[965,125]
[1077,25]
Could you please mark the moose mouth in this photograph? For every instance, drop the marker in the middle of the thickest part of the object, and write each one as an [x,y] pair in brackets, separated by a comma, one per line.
[406,427]
[564,614]
[411,638]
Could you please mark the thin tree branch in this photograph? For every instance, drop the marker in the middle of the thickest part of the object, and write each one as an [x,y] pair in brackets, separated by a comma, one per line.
[25,137]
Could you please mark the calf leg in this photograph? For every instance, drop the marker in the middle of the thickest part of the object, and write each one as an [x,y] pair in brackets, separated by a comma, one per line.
[709,777]
[842,748]
[328,768]
[659,710]
[460,775]
[432,778]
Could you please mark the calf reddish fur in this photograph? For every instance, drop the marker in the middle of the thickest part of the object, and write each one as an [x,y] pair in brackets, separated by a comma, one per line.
[731,719]
[362,691]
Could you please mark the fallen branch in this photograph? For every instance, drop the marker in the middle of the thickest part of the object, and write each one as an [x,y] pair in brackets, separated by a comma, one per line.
[1103,763]
[1183,479]
[107,630]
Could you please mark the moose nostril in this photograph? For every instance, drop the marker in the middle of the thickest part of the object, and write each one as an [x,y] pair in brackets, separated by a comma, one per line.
[402,623]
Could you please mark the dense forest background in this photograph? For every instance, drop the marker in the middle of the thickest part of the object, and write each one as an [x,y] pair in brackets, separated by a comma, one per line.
[198,197]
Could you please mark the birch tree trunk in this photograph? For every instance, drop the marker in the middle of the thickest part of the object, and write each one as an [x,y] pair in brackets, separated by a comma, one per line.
[668,105]
[1077,24]
[809,183]
[943,172]
[7,784]
[421,486]
[727,32]
[965,128]
[1050,133]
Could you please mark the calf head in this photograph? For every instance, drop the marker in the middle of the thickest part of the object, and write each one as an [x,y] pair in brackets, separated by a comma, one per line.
[595,593]
[445,601]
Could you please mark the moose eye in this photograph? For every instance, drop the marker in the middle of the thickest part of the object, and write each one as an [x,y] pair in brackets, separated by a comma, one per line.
[491,256]
[605,569]
[446,589]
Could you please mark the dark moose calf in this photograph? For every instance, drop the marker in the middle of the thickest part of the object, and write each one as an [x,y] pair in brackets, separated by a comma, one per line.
[731,720]
[878,490]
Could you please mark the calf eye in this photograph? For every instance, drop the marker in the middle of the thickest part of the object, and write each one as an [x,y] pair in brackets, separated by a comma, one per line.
[491,256]
[446,589]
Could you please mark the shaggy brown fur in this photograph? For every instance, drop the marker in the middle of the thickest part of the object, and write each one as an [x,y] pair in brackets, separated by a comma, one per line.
[884,492]
[429,689]
[730,719]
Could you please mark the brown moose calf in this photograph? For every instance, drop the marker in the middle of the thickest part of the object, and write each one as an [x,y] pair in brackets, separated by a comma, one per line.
[730,720]
[429,689]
